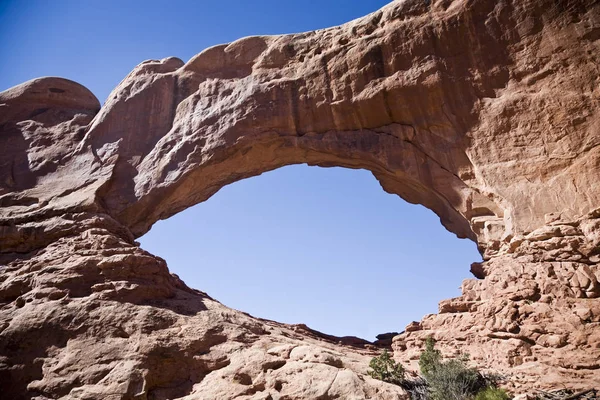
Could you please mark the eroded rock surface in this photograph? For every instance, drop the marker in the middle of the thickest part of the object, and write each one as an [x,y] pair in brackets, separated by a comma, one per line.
[486,112]
[536,315]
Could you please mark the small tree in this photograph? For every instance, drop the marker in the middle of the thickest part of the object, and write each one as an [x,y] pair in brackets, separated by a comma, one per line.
[431,358]
[386,369]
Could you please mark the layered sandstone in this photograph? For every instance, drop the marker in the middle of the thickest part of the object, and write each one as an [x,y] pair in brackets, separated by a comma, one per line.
[486,112]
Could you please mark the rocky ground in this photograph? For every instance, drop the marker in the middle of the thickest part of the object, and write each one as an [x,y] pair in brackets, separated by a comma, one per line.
[94,317]
[486,112]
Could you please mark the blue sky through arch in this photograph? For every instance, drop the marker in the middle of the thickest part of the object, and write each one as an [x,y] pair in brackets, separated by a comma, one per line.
[322,246]
[326,247]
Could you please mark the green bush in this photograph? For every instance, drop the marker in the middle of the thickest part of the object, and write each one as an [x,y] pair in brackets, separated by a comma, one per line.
[386,369]
[451,379]
[430,357]
[492,393]
[441,379]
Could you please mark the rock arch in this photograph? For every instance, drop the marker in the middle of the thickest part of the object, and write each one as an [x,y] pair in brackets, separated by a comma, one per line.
[485,112]
[409,92]
[220,126]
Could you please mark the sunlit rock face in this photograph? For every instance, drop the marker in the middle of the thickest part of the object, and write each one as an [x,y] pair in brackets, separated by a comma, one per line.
[486,112]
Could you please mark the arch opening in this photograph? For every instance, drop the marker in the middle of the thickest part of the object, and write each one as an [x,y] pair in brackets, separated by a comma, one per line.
[398,162]
[319,246]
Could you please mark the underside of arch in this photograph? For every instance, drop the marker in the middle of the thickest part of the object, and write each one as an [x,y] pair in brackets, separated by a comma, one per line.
[412,93]
[484,111]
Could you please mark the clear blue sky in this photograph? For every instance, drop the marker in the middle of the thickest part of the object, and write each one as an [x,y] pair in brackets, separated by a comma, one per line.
[325,247]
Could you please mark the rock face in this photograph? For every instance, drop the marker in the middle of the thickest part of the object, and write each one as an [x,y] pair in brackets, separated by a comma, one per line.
[535,316]
[487,112]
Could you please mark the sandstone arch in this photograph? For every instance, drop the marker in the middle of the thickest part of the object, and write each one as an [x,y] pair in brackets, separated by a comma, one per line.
[388,93]
[281,126]
[485,112]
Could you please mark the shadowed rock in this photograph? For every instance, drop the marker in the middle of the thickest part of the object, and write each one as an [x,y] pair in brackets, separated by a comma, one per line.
[486,112]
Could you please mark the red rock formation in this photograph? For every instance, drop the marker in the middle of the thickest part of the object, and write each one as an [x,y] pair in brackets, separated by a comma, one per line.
[535,316]
[486,112]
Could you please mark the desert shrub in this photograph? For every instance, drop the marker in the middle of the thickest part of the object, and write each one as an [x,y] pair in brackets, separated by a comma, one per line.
[386,369]
[451,379]
[441,379]
[430,357]
[492,393]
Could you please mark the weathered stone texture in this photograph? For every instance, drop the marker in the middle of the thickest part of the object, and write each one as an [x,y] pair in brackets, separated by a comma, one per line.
[486,112]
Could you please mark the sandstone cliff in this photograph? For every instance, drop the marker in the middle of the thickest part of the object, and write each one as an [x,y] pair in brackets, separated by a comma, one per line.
[487,112]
